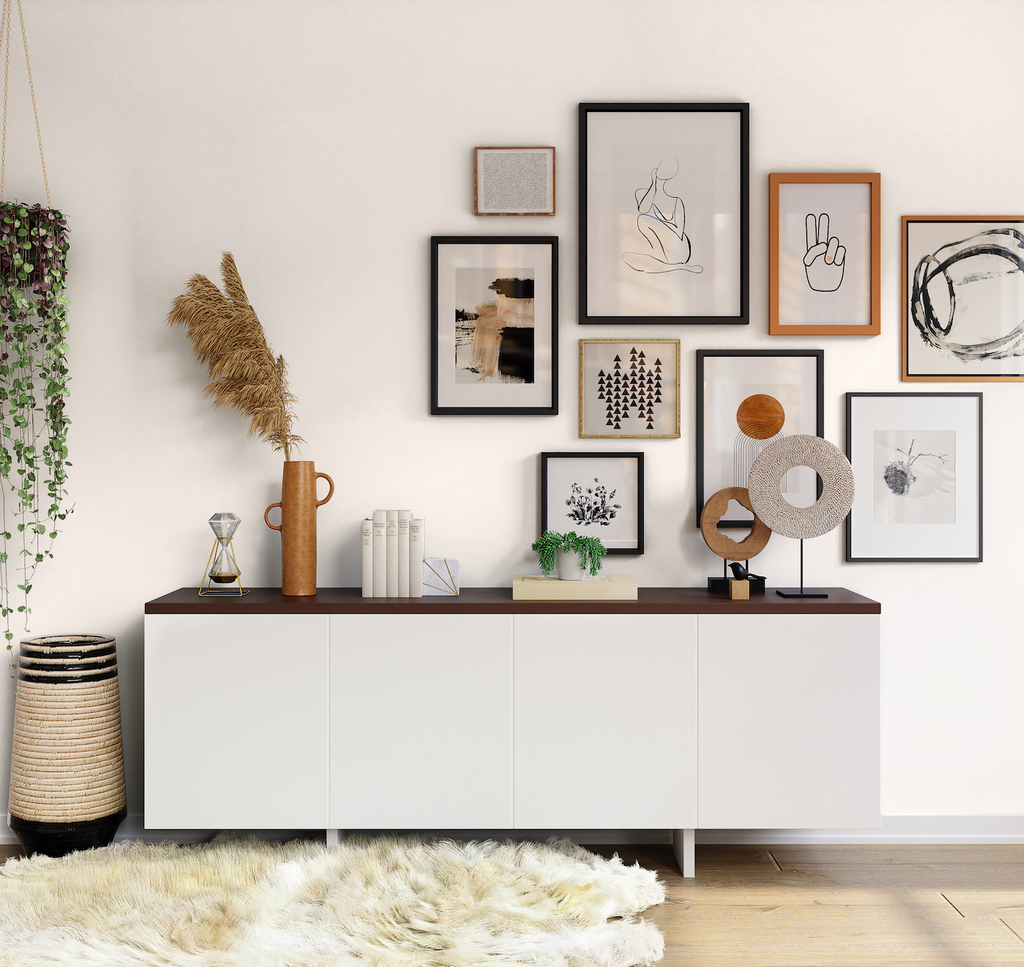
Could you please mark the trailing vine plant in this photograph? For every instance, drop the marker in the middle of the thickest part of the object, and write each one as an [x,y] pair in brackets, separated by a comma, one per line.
[590,550]
[33,389]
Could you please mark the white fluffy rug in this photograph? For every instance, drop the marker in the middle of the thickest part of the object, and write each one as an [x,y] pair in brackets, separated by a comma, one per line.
[365,903]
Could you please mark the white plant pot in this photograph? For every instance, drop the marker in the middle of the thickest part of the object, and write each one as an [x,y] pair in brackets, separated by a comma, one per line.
[568,567]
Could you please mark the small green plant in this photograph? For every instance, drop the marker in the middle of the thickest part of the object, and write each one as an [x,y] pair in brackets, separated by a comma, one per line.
[589,550]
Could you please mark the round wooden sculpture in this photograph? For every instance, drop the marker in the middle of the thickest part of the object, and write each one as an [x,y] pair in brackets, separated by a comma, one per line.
[801,450]
[724,546]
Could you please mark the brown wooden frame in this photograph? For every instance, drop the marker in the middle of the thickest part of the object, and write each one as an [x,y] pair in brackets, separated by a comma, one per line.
[968,377]
[510,149]
[775,325]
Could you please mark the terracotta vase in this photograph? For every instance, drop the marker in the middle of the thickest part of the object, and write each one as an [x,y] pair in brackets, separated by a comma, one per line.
[298,526]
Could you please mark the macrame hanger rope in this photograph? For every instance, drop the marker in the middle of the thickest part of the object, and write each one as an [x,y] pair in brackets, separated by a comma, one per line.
[5,41]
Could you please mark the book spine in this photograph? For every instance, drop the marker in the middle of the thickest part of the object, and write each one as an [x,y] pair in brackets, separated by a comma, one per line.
[416,537]
[404,516]
[380,557]
[366,538]
[392,553]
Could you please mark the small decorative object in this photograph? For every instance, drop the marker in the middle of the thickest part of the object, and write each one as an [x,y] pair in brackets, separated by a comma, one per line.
[629,389]
[664,213]
[494,325]
[514,181]
[595,493]
[440,576]
[746,399]
[824,233]
[739,590]
[222,567]
[298,506]
[574,557]
[67,763]
[604,587]
[725,547]
[917,458]
[963,298]
[226,335]
[766,498]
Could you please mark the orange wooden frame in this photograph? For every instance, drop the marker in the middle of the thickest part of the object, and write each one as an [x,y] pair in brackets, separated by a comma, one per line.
[775,325]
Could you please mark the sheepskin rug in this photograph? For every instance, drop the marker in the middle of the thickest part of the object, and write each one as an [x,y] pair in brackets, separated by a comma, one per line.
[388,902]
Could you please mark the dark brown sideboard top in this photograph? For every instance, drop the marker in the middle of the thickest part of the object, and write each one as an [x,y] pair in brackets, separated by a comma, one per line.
[499,601]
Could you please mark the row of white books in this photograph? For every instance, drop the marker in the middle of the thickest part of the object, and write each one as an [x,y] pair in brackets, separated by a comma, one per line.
[392,555]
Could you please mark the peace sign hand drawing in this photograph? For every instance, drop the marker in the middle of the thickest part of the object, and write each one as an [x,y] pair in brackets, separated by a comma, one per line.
[825,259]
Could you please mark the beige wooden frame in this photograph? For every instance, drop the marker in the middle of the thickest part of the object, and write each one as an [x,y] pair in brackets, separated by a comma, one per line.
[775,326]
[676,348]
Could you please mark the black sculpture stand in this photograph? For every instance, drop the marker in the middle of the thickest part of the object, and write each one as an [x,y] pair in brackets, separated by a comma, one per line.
[801,592]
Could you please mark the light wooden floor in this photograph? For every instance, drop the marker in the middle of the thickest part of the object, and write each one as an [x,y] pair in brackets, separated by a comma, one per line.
[840,906]
[835,906]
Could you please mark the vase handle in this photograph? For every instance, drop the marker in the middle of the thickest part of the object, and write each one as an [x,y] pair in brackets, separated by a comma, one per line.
[266,517]
[330,493]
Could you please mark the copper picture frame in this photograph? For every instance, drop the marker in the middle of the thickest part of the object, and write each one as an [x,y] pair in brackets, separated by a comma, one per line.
[514,181]
[824,233]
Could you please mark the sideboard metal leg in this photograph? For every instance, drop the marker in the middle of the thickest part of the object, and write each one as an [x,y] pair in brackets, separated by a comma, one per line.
[334,836]
[683,842]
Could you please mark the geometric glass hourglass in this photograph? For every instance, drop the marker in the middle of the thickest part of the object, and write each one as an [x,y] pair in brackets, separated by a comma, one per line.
[222,567]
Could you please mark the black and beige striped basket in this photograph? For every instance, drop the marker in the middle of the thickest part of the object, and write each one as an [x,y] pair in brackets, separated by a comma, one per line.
[67,761]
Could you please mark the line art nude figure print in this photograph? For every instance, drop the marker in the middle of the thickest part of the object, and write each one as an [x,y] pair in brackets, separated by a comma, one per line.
[661,220]
[825,258]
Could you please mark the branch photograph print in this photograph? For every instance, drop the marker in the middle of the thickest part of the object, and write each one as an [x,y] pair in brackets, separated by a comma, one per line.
[629,388]
[963,298]
[514,181]
[494,325]
[595,495]
[747,399]
[824,266]
[664,213]
[917,461]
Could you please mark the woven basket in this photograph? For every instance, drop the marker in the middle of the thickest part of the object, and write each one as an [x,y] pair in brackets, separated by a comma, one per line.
[67,761]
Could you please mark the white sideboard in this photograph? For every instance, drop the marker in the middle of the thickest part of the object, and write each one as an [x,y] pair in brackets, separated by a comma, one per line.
[680,710]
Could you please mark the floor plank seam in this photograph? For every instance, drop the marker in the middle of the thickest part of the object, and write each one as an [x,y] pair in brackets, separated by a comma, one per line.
[1014,932]
[952,904]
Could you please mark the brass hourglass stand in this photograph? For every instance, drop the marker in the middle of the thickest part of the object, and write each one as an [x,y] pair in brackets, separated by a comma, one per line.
[222,568]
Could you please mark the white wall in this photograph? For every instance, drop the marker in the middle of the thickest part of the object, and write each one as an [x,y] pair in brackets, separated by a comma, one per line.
[324,141]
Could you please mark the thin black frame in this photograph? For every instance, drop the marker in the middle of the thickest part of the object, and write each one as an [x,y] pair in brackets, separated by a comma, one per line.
[638,455]
[819,409]
[743,109]
[850,558]
[436,242]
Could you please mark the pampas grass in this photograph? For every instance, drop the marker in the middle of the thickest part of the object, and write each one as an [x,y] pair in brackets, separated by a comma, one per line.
[384,902]
[227,336]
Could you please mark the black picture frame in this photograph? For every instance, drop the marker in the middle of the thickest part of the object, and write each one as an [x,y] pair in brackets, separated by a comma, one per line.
[628,155]
[514,370]
[923,506]
[726,379]
[559,485]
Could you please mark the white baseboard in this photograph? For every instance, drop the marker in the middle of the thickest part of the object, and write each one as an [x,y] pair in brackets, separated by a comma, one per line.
[895,830]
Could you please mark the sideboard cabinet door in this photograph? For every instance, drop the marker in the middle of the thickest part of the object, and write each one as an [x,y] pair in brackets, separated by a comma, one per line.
[421,721]
[789,721]
[605,721]
[236,721]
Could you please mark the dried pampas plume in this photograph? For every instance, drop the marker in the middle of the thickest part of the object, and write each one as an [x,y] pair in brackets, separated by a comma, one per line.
[227,336]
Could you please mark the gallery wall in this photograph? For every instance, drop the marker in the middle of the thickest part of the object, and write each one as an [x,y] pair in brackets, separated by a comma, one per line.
[323,142]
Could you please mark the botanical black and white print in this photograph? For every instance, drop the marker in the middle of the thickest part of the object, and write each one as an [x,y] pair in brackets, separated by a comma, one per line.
[914,476]
[591,503]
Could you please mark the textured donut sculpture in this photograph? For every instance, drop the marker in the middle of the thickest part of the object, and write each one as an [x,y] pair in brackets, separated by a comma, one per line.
[801,450]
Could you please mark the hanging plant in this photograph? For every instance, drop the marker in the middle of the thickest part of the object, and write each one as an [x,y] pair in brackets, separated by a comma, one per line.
[33,388]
